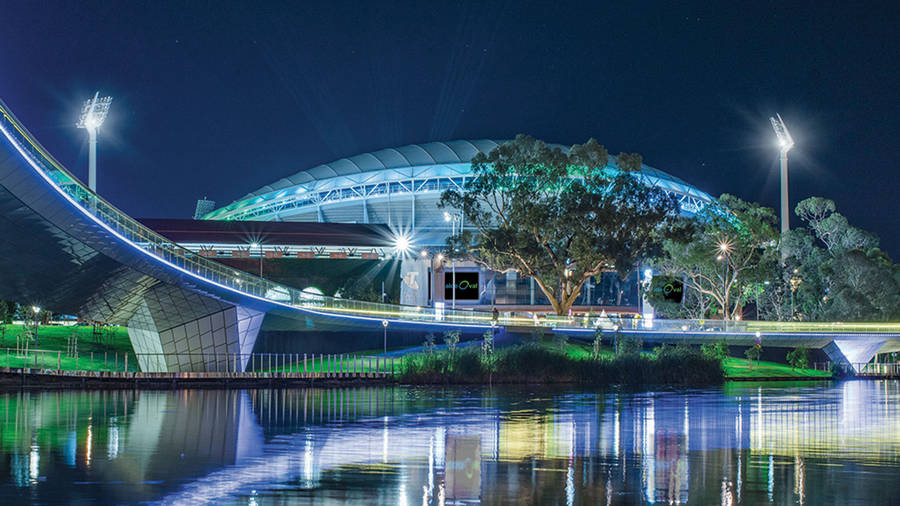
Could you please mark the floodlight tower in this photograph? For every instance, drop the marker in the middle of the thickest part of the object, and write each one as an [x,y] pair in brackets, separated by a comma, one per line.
[785,143]
[92,115]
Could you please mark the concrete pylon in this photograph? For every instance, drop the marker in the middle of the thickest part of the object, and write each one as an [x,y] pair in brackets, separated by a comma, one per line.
[174,330]
[852,352]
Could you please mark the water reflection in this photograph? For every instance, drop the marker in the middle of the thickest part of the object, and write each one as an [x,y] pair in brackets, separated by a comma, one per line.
[751,444]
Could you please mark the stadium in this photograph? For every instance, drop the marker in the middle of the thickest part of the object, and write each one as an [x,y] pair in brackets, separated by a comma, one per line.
[400,188]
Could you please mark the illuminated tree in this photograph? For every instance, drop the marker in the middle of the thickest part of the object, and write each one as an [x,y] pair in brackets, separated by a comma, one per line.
[726,255]
[558,217]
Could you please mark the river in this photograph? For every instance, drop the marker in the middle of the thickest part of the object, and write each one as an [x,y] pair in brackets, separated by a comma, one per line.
[743,443]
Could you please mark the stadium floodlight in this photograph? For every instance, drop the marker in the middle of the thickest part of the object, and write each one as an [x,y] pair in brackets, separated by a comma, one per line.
[785,143]
[92,115]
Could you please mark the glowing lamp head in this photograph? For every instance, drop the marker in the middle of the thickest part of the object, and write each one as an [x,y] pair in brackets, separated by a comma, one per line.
[785,141]
[424,253]
[402,243]
[254,245]
[446,216]
[36,309]
[94,112]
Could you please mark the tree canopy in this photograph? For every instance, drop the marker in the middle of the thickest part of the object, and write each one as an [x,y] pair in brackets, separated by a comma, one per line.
[726,257]
[838,271]
[559,217]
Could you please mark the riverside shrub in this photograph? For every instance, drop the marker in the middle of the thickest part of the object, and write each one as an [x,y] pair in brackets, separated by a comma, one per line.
[536,363]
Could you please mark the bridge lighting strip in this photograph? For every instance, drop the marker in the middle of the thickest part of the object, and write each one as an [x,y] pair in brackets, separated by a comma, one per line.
[134,245]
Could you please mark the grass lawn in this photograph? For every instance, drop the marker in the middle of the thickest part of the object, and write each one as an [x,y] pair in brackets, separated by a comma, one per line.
[739,368]
[583,351]
[50,350]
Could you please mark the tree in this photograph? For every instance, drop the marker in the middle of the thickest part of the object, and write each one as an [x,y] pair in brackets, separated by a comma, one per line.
[717,351]
[834,271]
[728,251]
[752,353]
[798,358]
[559,218]
[361,289]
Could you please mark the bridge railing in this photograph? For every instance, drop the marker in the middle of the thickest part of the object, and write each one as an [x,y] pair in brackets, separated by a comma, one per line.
[312,364]
[181,258]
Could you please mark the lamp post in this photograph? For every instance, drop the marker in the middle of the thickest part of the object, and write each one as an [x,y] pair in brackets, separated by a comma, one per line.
[93,113]
[256,245]
[36,310]
[384,323]
[429,275]
[452,219]
[785,143]
[724,250]
[795,283]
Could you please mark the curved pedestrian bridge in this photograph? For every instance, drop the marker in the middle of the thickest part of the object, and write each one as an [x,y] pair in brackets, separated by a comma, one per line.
[71,251]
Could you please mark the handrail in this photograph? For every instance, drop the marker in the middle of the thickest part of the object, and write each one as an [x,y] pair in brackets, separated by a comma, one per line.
[164,249]
[248,284]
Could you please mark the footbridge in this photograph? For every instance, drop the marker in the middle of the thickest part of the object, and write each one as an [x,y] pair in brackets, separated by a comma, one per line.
[65,248]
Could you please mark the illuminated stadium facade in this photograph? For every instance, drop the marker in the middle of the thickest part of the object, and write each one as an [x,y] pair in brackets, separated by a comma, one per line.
[401,187]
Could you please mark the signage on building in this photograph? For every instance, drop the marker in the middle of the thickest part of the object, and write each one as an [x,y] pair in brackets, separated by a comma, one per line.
[672,290]
[466,285]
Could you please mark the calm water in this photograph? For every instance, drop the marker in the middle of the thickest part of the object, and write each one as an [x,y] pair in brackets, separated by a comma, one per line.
[741,444]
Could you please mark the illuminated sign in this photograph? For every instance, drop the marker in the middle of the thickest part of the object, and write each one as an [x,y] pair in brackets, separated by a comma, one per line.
[466,286]
[671,290]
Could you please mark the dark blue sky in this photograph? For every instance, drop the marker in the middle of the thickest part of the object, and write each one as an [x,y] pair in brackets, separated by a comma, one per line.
[220,98]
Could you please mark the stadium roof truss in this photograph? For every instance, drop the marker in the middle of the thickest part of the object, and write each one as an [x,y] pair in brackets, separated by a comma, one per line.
[400,172]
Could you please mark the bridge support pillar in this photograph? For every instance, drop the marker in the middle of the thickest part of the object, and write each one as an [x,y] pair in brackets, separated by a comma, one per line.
[174,330]
[852,353]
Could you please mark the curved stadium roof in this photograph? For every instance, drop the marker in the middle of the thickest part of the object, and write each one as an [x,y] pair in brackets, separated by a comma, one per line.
[450,159]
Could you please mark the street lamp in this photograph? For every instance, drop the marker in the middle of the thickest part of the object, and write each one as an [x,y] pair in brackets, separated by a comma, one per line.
[452,219]
[36,310]
[785,143]
[256,245]
[384,323]
[93,113]
[724,250]
[429,273]
[401,244]
[795,284]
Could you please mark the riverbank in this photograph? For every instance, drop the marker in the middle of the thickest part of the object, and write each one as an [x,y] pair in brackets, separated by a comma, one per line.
[109,362]
[545,363]
[23,377]
[737,369]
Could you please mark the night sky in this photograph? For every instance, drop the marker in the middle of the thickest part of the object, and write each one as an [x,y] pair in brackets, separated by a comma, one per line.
[218,98]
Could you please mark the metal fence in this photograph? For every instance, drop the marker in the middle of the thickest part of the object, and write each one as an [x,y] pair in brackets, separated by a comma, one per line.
[303,364]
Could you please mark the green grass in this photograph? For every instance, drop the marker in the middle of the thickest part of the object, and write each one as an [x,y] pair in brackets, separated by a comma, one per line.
[740,368]
[50,350]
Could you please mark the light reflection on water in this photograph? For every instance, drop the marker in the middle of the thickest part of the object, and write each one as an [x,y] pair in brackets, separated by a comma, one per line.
[743,443]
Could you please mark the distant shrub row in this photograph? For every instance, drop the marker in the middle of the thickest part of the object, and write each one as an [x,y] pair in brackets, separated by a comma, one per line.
[537,363]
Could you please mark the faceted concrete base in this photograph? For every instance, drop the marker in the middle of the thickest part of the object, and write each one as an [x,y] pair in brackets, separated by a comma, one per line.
[174,330]
[853,352]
